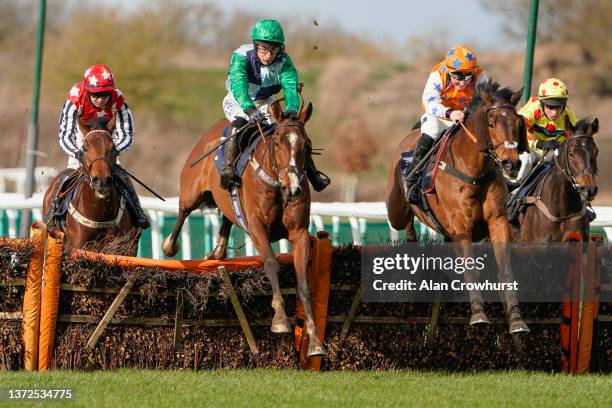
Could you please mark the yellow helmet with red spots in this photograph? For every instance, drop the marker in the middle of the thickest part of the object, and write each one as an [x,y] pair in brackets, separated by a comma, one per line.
[553,90]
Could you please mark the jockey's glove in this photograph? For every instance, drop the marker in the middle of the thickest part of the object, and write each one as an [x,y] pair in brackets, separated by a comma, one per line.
[291,114]
[547,144]
[255,115]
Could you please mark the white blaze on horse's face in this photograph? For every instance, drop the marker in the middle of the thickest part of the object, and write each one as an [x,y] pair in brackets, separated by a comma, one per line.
[510,145]
[293,177]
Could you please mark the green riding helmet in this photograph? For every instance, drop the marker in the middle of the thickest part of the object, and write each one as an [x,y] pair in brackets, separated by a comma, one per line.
[269,31]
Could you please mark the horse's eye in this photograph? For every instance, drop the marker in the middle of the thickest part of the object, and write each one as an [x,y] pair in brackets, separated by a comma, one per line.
[84,148]
[491,125]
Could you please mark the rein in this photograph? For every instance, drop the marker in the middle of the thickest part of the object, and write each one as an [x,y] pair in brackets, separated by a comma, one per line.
[269,151]
[490,153]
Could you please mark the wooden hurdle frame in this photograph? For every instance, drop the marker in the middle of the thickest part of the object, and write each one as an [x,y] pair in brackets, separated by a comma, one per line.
[42,290]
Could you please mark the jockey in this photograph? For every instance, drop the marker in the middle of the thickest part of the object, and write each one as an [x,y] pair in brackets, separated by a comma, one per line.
[545,121]
[257,72]
[447,93]
[97,97]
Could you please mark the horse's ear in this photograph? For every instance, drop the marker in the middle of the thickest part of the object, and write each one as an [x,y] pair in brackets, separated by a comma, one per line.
[484,95]
[594,127]
[306,113]
[276,111]
[569,127]
[82,127]
[111,124]
[516,96]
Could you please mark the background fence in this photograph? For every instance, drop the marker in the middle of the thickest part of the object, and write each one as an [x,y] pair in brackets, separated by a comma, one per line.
[357,223]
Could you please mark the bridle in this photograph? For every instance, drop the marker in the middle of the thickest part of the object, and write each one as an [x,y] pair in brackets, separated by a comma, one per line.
[87,170]
[491,151]
[567,169]
[270,149]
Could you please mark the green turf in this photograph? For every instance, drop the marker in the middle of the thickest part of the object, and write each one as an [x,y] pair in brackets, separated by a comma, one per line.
[255,388]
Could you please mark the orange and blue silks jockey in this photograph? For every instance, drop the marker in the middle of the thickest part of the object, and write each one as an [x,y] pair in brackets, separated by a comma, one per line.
[448,91]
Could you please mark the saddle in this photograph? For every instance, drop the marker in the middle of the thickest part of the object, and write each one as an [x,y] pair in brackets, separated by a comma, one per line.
[430,169]
[516,204]
[248,140]
[63,192]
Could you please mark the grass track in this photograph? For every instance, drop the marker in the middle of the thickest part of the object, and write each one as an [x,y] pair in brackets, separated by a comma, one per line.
[263,388]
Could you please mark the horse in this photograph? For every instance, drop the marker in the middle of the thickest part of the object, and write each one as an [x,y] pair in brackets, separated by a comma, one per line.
[97,211]
[276,200]
[469,202]
[558,205]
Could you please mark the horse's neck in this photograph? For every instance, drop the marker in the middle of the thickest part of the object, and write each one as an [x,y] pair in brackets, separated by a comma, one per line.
[559,192]
[466,154]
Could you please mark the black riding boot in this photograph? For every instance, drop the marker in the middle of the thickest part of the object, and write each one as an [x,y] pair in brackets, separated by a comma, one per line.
[64,179]
[412,189]
[139,217]
[228,175]
[319,180]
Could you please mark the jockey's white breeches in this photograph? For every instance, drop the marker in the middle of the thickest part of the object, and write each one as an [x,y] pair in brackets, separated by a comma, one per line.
[433,125]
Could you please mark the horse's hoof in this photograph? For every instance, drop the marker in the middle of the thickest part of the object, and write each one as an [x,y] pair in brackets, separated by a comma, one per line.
[479,318]
[518,326]
[282,325]
[316,349]
[170,248]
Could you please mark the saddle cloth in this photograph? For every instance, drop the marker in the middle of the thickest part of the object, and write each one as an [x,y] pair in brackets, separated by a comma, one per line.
[247,142]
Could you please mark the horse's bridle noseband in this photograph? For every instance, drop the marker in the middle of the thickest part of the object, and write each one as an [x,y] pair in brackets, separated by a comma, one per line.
[100,158]
[491,149]
[270,150]
[567,170]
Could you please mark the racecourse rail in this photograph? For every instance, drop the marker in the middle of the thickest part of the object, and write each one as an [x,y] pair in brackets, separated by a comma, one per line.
[323,216]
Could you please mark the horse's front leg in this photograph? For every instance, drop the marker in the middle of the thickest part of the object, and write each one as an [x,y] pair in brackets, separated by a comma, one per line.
[220,251]
[300,242]
[472,275]
[280,322]
[499,231]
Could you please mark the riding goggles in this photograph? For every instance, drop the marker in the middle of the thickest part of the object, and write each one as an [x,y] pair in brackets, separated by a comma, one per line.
[100,94]
[461,76]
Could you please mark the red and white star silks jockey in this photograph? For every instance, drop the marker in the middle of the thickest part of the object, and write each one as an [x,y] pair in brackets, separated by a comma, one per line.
[83,103]
[94,98]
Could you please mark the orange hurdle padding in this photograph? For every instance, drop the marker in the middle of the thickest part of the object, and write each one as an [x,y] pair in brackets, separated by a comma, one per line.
[570,308]
[31,297]
[319,274]
[50,298]
[194,266]
[590,305]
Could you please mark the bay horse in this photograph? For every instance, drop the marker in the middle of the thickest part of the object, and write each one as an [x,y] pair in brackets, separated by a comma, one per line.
[469,200]
[96,212]
[558,206]
[275,197]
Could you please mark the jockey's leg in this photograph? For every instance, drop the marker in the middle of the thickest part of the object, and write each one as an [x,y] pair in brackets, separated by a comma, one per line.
[229,177]
[65,177]
[421,149]
[318,179]
[140,219]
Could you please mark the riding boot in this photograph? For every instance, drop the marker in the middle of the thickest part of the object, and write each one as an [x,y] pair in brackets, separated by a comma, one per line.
[56,202]
[139,217]
[411,187]
[229,178]
[318,179]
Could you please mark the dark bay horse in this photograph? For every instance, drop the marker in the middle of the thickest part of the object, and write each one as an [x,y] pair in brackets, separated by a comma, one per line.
[558,206]
[471,211]
[97,212]
[276,205]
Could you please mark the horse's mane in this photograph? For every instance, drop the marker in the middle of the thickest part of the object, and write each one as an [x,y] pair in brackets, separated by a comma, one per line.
[493,90]
[98,123]
[582,125]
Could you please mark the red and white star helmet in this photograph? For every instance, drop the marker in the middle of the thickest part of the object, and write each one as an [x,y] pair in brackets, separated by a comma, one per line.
[98,78]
